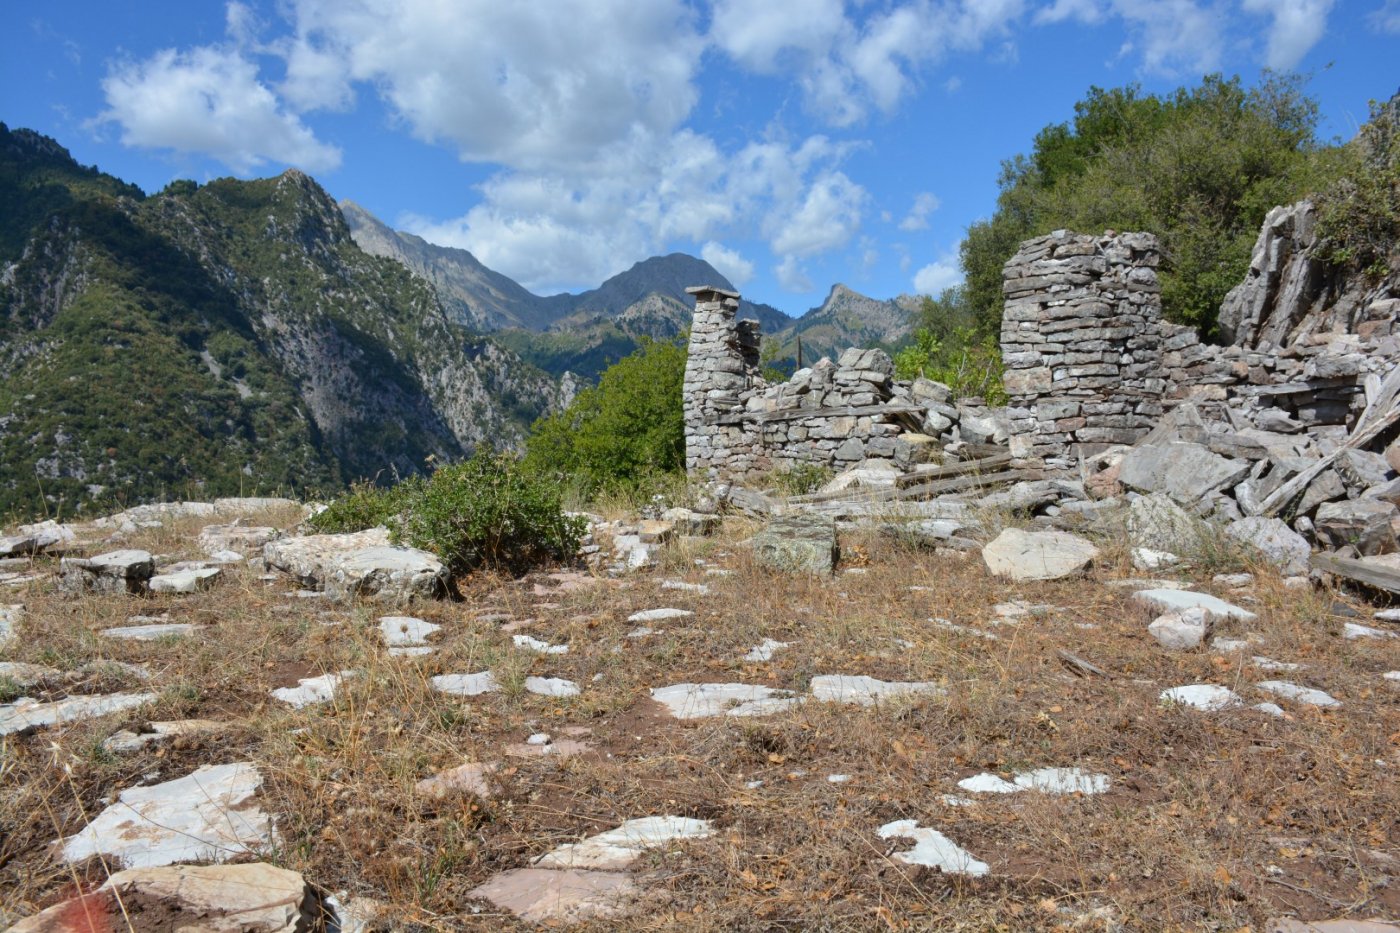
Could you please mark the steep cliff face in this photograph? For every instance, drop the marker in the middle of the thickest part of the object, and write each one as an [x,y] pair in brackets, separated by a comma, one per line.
[1289,294]
[224,339]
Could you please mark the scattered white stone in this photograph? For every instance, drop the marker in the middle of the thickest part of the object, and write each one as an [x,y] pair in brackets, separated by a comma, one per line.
[1232,580]
[659,615]
[1146,559]
[1063,781]
[1019,609]
[466,685]
[1299,694]
[1269,664]
[1388,615]
[552,687]
[1272,709]
[539,738]
[866,691]
[932,848]
[1167,600]
[642,631]
[226,557]
[17,672]
[149,632]
[1181,631]
[127,741]
[1392,675]
[618,848]
[699,701]
[699,589]
[765,651]
[545,895]
[311,690]
[965,629]
[856,571]
[411,651]
[837,778]
[185,581]
[26,713]
[206,816]
[1352,631]
[988,784]
[405,631]
[534,644]
[470,777]
[1297,583]
[1228,645]
[1207,697]
[718,572]
[1037,555]
[9,618]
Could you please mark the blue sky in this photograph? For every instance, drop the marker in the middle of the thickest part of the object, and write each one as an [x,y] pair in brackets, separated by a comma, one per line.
[794,144]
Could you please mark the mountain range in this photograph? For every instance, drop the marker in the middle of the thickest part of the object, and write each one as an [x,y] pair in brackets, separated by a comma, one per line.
[582,333]
[250,337]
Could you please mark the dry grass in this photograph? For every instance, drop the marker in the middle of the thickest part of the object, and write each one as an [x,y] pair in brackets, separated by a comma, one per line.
[1213,821]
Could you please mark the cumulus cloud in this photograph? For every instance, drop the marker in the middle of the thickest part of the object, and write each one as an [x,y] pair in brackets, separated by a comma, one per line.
[1387,18]
[940,274]
[828,215]
[791,275]
[1297,27]
[209,100]
[917,218]
[521,84]
[730,264]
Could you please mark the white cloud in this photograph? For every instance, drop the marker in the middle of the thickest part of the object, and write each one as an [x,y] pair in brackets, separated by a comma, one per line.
[1387,18]
[917,218]
[533,85]
[1083,11]
[1175,36]
[953,84]
[1297,27]
[730,264]
[827,217]
[791,275]
[940,274]
[209,101]
[756,32]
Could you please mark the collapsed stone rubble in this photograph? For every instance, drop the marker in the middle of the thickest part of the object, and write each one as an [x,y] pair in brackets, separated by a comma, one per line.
[1288,436]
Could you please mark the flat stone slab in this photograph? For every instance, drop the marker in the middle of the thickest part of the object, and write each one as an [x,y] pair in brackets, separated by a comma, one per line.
[1206,697]
[398,631]
[311,690]
[207,898]
[659,615]
[9,618]
[1289,925]
[1187,472]
[1063,781]
[1165,600]
[359,564]
[534,644]
[150,632]
[618,848]
[932,848]
[126,741]
[27,713]
[538,895]
[1037,555]
[552,687]
[989,784]
[208,815]
[185,581]
[18,672]
[798,543]
[866,691]
[466,685]
[469,778]
[1299,694]
[765,651]
[699,701]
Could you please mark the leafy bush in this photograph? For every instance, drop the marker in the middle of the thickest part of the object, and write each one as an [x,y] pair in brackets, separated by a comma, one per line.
[623,432]
[799,479]
[1359,217]
[489,511]
[946,347]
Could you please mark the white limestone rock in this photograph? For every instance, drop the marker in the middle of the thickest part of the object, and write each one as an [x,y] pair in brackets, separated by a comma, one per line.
[933,849]
[26,712]
[619,848]
[699,701]
[150,632]
[311,691]
[1182,631]
[1300,694]
[1205,697]
[1037,555]
[1273,540]
[465,685]
[185,581]
[1165,600]
[867,691]
[406,631]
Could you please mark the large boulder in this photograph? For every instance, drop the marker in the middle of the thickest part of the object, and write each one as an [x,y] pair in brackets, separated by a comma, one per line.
[211,898]
[1037,555]
[1189,473]
[1274,541]
[1364,524]
[361,563]
[798,543]
[126,571]
[1157,523]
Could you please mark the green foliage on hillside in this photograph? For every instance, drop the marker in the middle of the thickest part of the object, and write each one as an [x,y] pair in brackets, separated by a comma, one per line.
[1199,167]
[624,431]
[1359,216]
[489,511]
[947,347]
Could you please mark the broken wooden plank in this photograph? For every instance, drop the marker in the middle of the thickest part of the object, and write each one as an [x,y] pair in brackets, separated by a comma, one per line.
[957,468]
[1362,571]
[1364,433]
[971,481]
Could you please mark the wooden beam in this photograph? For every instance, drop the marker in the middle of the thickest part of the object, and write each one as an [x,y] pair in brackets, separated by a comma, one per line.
[800,414]
[1362,571]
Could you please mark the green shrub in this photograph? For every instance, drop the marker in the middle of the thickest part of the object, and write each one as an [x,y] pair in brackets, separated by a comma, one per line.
[489,511]
[492,511]
[620,434]
[948,347]
[799,479]
[1358,220]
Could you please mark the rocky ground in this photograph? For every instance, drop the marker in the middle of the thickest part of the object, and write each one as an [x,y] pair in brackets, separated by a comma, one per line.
[909,742]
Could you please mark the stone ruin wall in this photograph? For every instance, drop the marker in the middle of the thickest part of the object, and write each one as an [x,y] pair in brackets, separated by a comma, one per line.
[1089,363]
[829,414]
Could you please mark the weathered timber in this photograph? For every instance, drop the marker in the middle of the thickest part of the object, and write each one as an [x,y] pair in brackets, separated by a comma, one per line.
[798,414]
[1364,433]
[1382,578]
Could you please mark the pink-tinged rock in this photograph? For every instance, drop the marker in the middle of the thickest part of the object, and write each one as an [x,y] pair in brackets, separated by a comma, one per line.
[540,894]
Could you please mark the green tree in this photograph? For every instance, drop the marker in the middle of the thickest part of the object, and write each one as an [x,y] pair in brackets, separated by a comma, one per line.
[1198,167]
[623,431]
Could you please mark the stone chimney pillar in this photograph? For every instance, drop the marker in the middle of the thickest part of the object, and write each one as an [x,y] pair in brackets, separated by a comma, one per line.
[721,364]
